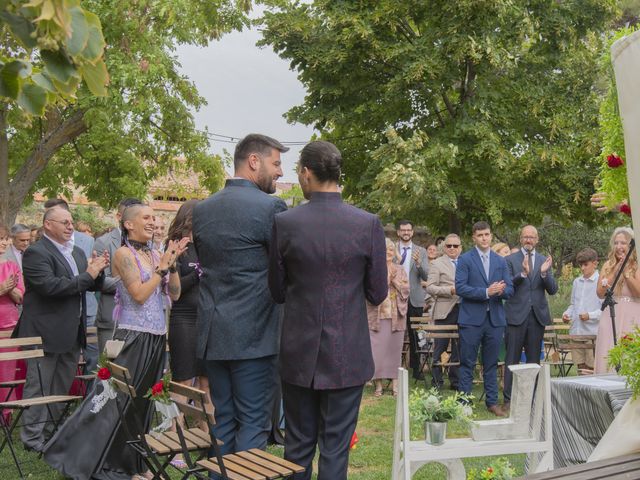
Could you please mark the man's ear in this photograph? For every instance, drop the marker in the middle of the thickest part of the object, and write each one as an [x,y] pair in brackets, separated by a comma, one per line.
[253,161]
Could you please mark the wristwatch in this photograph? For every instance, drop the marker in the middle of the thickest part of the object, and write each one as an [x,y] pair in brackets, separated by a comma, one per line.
[173,269]
[162,273]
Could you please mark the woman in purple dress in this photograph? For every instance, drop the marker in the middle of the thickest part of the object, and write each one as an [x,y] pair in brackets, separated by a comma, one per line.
[93,445]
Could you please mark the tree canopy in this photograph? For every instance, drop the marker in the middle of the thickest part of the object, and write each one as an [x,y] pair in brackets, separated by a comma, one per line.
[449,112]
[113,145]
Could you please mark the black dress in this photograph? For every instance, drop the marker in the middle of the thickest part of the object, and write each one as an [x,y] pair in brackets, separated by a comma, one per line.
[182,320]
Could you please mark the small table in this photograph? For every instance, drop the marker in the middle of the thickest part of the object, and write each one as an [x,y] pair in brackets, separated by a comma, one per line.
[619,468]
[582,409]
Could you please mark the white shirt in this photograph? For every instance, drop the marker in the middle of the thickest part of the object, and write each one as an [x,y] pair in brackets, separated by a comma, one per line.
[18,255]
[66,249]
[407,261]
[584,300]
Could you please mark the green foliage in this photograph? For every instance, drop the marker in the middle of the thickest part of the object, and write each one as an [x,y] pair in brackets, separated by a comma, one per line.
[626,355]
[90,216]
[450,112]
[613,181]
[430,406]
[67,44]
[499,469]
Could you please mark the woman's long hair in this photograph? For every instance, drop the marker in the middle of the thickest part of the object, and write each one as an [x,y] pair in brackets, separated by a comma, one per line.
[182,224]
[610,265]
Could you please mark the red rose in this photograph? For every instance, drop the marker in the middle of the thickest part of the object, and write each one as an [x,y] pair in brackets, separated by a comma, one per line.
[489,470]
[626,338]
[614,161]
[626,209]
[104,373]
[157,389]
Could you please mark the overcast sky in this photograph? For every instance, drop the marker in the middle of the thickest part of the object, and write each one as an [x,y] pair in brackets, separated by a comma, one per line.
[247,89]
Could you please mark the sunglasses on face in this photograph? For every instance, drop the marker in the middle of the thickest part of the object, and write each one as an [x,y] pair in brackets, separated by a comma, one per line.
[449,245]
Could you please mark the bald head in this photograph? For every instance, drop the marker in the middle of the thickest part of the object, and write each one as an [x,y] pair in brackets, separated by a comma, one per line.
[58,224]
[529,237]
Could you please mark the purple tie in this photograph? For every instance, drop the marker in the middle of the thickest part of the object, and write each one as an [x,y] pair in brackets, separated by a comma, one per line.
[404,255]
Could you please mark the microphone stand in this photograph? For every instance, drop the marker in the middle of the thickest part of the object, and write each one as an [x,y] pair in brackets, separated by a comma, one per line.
[609,301]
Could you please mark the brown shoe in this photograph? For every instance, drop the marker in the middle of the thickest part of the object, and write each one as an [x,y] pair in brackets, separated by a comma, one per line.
[496,410]
[506,407]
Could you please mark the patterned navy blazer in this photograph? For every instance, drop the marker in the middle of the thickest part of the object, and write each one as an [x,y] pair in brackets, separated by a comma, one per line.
[327,258]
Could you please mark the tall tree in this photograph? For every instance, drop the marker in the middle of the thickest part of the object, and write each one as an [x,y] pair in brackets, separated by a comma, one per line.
[449,112]
[111,146]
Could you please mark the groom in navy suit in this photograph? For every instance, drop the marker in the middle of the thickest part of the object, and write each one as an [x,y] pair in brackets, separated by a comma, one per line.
[482,281]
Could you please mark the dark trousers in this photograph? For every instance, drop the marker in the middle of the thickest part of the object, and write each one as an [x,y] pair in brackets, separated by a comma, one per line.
[529,336]
[57,371]
[471,337]
[440,347]
[414,357]
[242,393]
[324,417]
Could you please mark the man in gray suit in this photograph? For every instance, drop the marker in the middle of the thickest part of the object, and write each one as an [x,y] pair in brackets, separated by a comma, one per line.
[20,240]
[416,264]
[527,311]
[238,322]
[110,242]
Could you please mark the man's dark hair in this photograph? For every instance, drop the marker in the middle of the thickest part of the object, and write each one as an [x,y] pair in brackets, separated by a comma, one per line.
[323,159]
[403,222]
[255,143]
[127,202]
[56,202]
[19,228]
[481,225]
[586,255]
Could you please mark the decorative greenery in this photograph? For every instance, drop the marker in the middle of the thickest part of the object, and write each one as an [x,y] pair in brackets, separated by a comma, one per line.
[626,354]
[500,469]
[613,175]
[430,406]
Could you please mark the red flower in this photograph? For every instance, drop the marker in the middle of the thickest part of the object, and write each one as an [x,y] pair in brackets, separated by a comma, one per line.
[626,338]
[157,388]
[614,161]
[489,470]
[626,209]
[104,373]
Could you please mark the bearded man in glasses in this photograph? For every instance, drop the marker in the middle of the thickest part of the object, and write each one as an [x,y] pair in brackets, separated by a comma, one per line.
[441,285]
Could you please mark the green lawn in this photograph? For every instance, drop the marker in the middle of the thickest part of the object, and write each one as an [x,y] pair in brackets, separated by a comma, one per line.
[370,460]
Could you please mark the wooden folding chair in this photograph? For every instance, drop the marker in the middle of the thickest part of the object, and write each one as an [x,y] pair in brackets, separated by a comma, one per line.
[424,352]
[570,343]
[28,351]
[11,385]
[85,378]
[444,332]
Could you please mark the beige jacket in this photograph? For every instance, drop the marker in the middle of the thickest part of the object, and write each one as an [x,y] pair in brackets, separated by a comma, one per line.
[399,298]
[439,283]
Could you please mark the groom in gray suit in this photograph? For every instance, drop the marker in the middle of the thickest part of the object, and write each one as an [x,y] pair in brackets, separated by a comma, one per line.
[527,310]
[414,260]
[238,322]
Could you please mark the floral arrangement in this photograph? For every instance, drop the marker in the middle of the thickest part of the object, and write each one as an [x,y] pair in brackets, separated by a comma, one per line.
[159,392]
[160,395]
[500,469]
[108,392]
[626,355]
[430,406]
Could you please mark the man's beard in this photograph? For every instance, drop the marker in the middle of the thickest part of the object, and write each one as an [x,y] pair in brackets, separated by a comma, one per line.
[266,184]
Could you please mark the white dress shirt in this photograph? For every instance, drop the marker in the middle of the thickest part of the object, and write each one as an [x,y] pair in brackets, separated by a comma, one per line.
[407,261]
[584,300]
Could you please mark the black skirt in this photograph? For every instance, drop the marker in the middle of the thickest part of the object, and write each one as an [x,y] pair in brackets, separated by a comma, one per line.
[183,337]
[93,445]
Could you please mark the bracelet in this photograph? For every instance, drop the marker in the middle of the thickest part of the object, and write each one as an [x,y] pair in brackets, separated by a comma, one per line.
[173,269]
[162,273]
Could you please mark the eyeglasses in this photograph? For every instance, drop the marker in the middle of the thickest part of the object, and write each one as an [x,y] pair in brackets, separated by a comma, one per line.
[448,245]
[66,223]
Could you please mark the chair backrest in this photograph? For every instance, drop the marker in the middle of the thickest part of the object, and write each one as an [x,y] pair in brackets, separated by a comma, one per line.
[200,407]
[27,348]
[419,322]
[441,331]
[121,379]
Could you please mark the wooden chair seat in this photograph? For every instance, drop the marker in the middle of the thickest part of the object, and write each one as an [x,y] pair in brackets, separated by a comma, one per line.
[32,402]
[252,464]
[12,383]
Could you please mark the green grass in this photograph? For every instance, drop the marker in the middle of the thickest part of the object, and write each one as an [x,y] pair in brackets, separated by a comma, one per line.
[370,460]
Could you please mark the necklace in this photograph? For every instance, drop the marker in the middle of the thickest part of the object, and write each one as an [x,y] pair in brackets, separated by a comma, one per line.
[142,246]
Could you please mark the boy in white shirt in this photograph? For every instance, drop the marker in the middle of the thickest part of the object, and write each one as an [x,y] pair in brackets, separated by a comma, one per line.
[584,311]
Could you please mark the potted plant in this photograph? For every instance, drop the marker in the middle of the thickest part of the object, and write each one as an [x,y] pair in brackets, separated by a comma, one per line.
[625,357]
[499,469]
[435,411]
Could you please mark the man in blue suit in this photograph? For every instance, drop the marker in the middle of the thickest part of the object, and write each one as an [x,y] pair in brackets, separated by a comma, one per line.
[527,310]
[482,281]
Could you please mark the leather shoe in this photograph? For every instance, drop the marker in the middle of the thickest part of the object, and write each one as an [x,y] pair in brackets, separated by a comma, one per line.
[496,410]
[506,407]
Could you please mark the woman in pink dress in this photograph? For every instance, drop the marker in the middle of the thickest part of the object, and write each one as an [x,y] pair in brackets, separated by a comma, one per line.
[626,294]
[11,291]
[387,324]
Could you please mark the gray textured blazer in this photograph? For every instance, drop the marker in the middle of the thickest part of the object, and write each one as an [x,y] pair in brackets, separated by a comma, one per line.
[417,273]
[237,319]
[110,241]
[442,276]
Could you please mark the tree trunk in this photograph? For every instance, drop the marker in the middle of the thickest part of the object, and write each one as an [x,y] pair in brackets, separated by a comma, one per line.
[455,226]
[4,166]
[58,133]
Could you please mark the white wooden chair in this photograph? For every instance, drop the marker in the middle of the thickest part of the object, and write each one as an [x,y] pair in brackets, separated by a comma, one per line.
[409,456]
